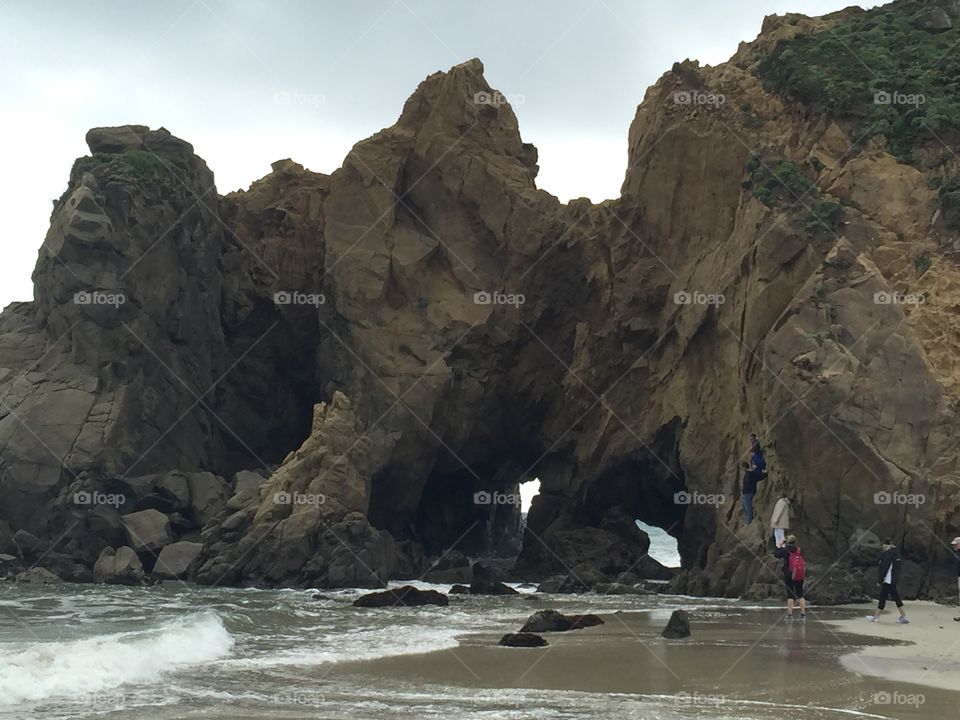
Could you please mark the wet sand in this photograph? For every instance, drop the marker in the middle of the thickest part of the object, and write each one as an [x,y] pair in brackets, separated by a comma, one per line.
[740,662]
[927,650]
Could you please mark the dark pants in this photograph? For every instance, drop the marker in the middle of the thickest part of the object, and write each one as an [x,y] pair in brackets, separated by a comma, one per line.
[748,507]
[794,588]
[889,590]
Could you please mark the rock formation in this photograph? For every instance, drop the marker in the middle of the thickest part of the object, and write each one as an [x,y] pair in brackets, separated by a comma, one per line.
[461,331]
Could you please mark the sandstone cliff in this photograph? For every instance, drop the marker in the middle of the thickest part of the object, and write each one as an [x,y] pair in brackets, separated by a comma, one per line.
[467,332]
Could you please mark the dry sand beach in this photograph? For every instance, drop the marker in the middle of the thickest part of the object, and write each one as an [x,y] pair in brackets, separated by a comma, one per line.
[927,651]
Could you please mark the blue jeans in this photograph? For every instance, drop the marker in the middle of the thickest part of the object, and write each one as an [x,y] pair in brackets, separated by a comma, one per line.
[748,507]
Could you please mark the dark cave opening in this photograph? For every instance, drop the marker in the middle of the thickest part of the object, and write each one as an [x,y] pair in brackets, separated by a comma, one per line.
[648,485]
[459,512]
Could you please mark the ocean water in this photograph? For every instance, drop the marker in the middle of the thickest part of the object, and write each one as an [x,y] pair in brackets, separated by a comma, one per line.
[184,652]
[663,547]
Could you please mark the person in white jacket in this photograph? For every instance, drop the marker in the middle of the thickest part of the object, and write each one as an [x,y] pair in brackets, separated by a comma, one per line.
[780,521]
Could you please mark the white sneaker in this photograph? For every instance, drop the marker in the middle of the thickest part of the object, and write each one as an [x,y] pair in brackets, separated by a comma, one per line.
[873,618]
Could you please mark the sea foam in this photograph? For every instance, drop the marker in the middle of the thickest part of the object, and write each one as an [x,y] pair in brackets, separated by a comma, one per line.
[88,666]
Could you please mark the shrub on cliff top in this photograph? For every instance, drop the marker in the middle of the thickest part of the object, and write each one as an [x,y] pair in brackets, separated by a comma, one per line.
[137,164]
[892,70]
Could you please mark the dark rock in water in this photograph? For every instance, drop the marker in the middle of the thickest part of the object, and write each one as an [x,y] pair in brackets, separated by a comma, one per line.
[486,581]
[553,621]
[522,639]
[459,590]
[678,626]
[407,596]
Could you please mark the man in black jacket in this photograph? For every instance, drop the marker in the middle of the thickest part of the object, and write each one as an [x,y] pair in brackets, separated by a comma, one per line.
[956,562]
[889,576]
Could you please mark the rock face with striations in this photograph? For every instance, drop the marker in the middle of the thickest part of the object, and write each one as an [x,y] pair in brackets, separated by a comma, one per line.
[464,331]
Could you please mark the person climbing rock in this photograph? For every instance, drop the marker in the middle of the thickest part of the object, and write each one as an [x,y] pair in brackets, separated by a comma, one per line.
[757,461]
[889,576]
[780,522]
[794,573]
[956,561]
[749,490]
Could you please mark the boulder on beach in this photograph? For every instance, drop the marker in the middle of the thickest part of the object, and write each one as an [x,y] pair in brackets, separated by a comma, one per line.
[407,596]
[177,560]
[118,567]
[522,639]
[38,576]
[553,621]
[148,530]
[678,626]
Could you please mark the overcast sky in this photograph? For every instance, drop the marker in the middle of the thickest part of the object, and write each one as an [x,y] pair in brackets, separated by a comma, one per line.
[252,81]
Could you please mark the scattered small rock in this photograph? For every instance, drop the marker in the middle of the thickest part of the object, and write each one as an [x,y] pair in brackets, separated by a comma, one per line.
[522,639]
[678,626]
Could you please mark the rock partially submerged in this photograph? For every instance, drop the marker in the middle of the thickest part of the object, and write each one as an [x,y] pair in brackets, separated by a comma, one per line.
[406,596]
[678,626]
[487,581]
[522,639]
[553,621]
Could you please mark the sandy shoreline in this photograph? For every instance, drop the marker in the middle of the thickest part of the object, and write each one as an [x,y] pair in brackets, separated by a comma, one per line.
[927,650]
[744,661]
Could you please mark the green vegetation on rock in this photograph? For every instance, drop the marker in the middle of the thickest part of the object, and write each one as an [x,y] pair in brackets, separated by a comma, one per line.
[136,164]
[780,184]
[892,70]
